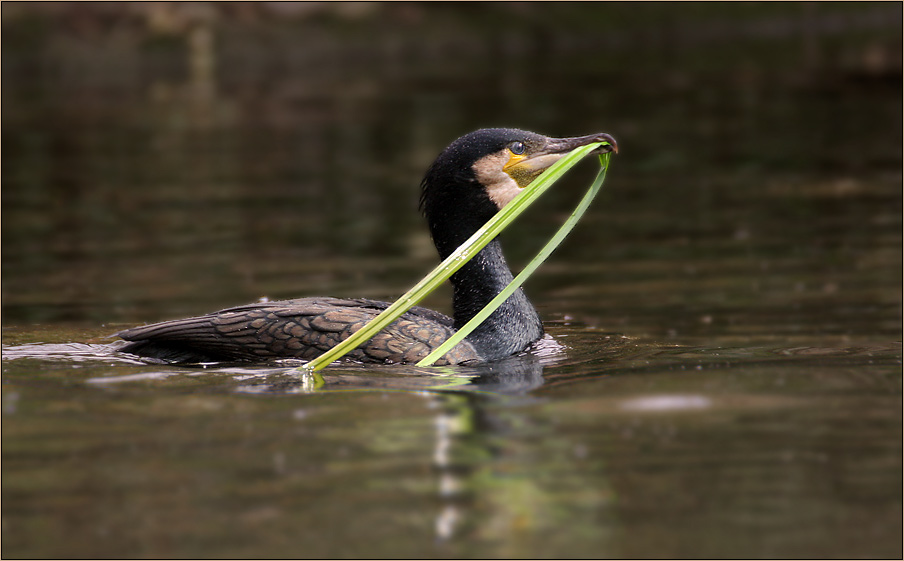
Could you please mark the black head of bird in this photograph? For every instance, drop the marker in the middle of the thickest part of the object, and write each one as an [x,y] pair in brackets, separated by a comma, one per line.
[471,180]
[481,172]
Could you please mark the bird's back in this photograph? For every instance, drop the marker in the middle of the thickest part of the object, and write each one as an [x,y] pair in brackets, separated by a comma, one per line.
[302,328]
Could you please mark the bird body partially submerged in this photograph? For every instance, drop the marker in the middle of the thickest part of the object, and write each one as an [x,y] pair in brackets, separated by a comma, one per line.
[471,180]
[302,328]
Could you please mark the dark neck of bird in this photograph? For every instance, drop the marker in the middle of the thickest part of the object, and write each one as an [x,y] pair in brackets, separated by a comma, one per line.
[454,212]
[513,326]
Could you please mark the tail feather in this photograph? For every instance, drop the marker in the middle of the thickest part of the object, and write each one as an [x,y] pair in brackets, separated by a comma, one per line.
[185,340]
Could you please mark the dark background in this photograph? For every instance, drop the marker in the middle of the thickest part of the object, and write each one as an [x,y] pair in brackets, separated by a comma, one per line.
[728,381]
[165,158]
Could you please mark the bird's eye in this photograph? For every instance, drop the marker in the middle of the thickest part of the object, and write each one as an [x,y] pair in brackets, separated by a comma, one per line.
[517,148]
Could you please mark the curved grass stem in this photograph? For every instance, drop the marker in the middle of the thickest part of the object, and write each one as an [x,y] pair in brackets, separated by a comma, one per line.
[457,259]
[525,273]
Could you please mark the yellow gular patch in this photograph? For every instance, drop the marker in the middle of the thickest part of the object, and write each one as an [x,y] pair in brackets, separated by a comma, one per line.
[518,170]
[524,170]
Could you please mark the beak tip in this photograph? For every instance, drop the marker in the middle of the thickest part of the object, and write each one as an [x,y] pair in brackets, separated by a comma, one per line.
[613,146]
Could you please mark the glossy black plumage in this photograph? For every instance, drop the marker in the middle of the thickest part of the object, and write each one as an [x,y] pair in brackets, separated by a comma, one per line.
[466,185]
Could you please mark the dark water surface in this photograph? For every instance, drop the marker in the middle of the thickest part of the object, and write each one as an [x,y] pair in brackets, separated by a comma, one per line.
[723,372]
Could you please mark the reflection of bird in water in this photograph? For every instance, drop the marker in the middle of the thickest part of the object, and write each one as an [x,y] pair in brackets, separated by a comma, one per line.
[469,182]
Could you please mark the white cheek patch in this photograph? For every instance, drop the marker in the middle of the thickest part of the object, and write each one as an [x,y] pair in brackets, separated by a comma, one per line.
[500,187]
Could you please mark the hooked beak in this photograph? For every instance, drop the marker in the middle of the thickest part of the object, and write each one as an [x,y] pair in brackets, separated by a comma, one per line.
[526,167]
[564,145]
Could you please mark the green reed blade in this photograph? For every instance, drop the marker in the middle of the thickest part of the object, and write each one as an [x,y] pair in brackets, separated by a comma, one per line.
[528,270]
[457,259]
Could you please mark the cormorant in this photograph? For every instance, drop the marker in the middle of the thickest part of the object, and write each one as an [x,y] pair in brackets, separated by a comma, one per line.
[469,182]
